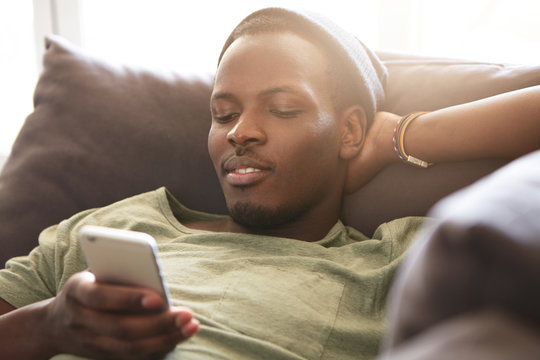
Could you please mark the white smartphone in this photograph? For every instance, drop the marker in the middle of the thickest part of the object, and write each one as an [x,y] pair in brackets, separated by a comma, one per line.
[123,257]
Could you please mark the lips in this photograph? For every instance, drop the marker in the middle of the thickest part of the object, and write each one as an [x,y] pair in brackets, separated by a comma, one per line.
[245,171]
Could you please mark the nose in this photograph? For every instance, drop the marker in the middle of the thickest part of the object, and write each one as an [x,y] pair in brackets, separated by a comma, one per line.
[247,130]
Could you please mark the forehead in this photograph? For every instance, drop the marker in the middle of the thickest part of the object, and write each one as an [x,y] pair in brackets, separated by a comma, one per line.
[254,62]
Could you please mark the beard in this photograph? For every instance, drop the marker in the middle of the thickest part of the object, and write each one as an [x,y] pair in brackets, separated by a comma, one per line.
[258,217]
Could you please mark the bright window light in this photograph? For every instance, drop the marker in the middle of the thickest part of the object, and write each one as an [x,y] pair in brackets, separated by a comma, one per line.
[187,36]
[506,31]
[18,69]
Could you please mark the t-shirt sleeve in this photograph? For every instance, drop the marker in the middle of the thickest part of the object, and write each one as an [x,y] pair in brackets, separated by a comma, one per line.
[401,233]
[42,273]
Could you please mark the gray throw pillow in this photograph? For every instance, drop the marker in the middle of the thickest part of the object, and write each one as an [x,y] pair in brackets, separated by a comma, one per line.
[481,252]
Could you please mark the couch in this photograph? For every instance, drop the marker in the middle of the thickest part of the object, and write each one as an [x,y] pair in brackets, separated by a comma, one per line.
[2,161]
[102,131]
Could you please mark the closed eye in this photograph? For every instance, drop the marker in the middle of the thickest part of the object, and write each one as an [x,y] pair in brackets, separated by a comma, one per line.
[286,114]
[226,118]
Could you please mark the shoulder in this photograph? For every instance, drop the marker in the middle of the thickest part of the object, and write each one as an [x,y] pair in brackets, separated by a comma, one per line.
[137,208]
[130,214]
[401,232]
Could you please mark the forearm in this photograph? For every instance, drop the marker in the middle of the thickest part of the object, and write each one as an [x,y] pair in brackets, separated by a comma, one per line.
[24,333]
[505,126]
[502,126]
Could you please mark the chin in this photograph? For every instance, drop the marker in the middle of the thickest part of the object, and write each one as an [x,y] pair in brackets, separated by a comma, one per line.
[254,216]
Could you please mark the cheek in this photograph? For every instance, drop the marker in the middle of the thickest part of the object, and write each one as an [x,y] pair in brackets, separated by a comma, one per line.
[324,134]
[319,148]
[215,143]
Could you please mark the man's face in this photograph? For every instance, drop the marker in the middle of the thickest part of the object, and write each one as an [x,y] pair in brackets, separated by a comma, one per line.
[274,139]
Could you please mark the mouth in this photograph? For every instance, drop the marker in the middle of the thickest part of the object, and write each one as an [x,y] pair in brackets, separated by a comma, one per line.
[247,170]
[242,172]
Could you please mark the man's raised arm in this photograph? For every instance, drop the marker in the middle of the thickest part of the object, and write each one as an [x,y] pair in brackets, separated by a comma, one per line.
[503,126]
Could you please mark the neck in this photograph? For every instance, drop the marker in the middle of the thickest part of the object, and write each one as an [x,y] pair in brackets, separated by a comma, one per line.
[305,229]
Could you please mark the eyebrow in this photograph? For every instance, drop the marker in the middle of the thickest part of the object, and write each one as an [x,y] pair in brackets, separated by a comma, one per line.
[279,89]
[269,91]
[222,95]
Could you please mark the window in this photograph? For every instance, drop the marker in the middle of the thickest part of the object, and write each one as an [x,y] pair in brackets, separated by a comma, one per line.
[18,68]
[189,37]
[487,30]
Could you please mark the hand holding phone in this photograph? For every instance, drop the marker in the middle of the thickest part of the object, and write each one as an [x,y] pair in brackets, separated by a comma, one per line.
[90,318]
[123,257]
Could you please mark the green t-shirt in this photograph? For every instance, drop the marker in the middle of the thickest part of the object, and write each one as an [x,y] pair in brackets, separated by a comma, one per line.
[256,297]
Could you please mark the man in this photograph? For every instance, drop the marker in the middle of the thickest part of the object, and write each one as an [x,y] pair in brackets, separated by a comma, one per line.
[281,278]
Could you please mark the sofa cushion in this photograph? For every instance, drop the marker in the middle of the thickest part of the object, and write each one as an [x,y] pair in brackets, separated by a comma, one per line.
[489,333]
[101,132]
[424,83]
[427,83]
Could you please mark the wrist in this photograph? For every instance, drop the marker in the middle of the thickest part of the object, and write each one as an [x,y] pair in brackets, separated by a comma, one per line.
[26,333]
[387,152]
[40,330]
[398,140]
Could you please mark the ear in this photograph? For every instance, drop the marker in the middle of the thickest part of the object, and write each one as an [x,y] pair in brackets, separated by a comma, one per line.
[353,131]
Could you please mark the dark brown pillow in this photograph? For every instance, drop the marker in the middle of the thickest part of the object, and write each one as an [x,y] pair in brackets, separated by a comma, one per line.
[101,132]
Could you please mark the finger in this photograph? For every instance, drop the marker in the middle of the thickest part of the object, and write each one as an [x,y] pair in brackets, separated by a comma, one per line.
[189,329]
[104,347]
[109,297]
[108,335]
[186,321]
[129,326]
